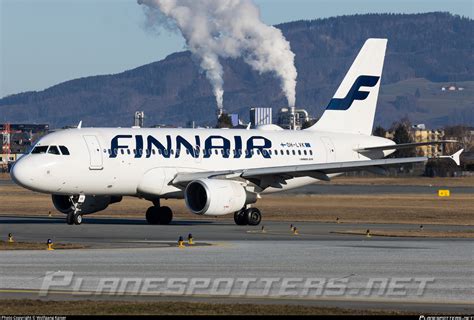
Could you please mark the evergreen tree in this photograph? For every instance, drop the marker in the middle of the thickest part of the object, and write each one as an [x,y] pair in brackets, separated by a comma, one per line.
[379,131]
[224,121]
[402,135]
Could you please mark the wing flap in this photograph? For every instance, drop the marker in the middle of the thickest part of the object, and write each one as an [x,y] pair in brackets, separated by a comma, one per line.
[327,168]
[403,145]
[319,171]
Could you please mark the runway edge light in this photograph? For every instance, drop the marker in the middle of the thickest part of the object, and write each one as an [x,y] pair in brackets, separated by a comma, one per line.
[180,242]
[190,239]
[50,245]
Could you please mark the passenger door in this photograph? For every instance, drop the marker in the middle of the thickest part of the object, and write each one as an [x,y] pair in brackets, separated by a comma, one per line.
[95,155]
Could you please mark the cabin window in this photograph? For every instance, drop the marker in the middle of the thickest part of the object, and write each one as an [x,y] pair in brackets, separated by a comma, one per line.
[121,151]
[287,152]
[311,152]
[40,149]
[304,152]
[299,152]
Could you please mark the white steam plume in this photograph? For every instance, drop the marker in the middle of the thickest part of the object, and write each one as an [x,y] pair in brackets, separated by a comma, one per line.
[216,29]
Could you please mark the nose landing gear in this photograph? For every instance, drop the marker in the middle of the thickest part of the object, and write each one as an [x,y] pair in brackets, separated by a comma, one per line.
[75,216]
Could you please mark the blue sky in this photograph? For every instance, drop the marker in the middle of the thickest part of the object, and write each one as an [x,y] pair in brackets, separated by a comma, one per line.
[45,42]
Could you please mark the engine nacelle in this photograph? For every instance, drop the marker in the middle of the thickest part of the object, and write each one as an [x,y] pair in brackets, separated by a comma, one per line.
[216,197]
[91,204]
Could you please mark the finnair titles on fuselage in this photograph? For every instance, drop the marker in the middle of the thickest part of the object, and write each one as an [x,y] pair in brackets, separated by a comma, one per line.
[216,171]
[174,145]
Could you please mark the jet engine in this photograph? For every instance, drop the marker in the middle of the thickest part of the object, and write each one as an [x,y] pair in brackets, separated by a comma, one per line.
[91,204]
[216,197]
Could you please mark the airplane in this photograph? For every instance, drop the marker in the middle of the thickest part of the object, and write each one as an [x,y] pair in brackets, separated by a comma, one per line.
[216,171]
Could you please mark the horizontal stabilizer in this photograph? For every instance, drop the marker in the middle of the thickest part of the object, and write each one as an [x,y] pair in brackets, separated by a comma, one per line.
[456,157]
[403,146]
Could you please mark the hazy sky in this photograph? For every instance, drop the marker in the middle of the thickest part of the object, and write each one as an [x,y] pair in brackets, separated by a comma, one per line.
[45,42]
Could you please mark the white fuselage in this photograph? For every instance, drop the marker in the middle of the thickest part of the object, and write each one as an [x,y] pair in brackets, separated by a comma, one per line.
[143,162]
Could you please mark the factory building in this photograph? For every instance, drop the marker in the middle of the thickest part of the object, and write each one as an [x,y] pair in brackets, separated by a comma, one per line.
[260,116]
[285,118]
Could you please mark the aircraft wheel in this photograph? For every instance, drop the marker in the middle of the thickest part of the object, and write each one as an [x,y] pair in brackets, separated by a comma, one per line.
[159,215]
[70,218]
[165,215]
[77,219]
[253,216]
[240,218]
[152,215]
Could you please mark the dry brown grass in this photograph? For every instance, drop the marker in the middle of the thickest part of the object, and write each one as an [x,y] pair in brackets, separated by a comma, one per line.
[26,307]
[393,208]
[4,176]
[381,180]
[5,245]
[406,181]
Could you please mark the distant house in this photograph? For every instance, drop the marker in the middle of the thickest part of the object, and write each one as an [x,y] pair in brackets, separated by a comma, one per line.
[419,133]
[452,87]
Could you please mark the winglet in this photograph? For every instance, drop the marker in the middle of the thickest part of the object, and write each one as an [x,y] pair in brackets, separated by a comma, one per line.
[456,157]
[79,126]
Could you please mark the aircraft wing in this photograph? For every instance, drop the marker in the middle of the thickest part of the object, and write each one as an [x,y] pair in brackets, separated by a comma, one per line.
[273,176]
[403,145]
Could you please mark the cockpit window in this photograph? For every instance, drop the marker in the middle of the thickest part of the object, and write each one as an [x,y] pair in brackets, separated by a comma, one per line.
[40,149]
[64,150]
[53,150]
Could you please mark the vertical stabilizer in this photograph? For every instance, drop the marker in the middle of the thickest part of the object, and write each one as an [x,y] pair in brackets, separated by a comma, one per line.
[352,109]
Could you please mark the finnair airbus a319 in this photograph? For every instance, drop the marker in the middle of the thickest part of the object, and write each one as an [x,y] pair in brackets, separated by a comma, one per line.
[216,171]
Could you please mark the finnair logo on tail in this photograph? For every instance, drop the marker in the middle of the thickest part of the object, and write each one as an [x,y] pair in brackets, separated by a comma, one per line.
[354,93]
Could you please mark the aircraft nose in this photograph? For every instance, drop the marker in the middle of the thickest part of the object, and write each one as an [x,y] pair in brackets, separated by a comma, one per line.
[21,173]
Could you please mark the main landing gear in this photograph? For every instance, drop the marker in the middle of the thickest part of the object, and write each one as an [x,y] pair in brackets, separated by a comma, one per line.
[250,216]
[75,216]
[158,214]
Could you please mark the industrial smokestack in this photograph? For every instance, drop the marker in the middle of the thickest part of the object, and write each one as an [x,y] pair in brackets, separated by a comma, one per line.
[216,29]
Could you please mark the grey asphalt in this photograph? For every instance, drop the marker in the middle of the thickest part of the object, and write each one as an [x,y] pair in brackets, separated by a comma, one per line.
[100,232]
[131,248]
[445,265]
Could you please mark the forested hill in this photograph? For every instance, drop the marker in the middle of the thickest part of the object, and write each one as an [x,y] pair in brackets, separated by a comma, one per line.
[425,52]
